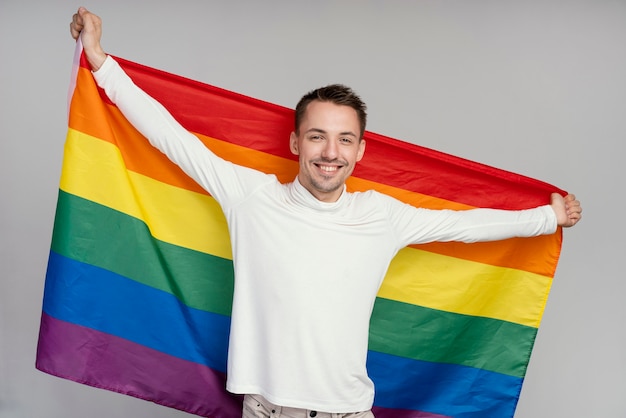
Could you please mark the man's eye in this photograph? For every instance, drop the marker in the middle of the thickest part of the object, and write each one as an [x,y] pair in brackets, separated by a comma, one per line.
[346,140]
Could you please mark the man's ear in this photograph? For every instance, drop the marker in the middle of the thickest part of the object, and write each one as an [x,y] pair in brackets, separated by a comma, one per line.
[361,151]
[293,144]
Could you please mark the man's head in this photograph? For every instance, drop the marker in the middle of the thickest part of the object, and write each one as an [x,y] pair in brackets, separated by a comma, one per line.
[335,93]
[328,139]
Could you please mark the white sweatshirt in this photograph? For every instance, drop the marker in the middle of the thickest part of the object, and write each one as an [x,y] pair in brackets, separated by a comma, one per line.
[306,272]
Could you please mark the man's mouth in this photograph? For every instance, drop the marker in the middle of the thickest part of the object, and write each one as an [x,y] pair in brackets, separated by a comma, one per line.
[327,168]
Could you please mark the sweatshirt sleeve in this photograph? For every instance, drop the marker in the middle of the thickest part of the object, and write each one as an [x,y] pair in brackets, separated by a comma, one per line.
[223,179]
[419,225]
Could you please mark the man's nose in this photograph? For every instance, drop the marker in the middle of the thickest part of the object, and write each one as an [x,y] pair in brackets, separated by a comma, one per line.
[330,149]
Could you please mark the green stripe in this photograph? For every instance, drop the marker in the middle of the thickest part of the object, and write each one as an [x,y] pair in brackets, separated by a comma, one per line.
[444,337]
[94,234]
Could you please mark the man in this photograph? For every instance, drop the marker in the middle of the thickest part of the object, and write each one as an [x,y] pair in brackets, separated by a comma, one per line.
[302,305]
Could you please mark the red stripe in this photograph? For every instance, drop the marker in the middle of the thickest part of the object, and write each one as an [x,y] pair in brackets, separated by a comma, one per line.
[265,127]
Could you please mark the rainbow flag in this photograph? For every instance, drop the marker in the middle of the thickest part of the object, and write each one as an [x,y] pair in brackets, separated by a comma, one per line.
[139,282]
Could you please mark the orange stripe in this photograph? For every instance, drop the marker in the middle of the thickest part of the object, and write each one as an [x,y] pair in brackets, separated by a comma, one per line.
[516,253]
[110,125]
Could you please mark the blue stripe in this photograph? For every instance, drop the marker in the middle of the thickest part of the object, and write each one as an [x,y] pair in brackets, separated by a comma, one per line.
[446,389]
[99,299]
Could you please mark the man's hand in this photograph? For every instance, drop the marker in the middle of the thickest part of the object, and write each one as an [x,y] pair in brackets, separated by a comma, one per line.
[89,27]
[567,209]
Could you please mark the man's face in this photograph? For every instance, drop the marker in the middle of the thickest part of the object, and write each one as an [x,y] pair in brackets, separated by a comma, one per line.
[328,148]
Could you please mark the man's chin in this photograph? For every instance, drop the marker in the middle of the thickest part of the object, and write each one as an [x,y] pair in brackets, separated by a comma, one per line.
[327,186]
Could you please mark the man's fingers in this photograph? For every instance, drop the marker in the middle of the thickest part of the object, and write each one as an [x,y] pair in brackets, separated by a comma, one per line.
[75,30]
[76,26]
[84,20]
[574,210]
[80,19]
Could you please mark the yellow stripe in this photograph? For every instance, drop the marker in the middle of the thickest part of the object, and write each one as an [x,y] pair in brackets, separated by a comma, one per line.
[94,169]
[466,287]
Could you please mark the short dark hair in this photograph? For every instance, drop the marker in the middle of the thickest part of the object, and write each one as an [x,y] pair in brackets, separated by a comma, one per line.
[337,94]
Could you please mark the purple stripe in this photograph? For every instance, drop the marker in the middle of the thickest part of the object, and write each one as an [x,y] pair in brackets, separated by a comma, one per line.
[107,362]
[104,361]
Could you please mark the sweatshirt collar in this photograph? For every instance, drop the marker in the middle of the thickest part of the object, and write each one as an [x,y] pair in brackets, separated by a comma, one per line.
[302,196]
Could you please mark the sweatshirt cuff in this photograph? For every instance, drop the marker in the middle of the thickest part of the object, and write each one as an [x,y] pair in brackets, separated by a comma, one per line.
[551,222]
[104,69]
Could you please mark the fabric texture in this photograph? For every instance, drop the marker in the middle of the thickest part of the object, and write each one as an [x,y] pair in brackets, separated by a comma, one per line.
[453,324]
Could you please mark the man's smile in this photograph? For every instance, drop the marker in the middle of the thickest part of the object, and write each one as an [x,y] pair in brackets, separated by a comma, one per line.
[328,167]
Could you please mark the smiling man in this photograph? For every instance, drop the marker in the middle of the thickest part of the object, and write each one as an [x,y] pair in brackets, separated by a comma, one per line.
[302,304]
[330,122]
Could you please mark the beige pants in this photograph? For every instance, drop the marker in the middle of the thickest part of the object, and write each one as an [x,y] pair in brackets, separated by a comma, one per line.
[255,406]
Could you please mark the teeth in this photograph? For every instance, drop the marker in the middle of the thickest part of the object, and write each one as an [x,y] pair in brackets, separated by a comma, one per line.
[328,168]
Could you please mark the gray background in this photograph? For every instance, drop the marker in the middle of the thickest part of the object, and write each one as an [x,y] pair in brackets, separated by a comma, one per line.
[534,87]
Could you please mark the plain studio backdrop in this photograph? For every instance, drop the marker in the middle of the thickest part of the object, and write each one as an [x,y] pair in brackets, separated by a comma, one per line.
[533,87]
